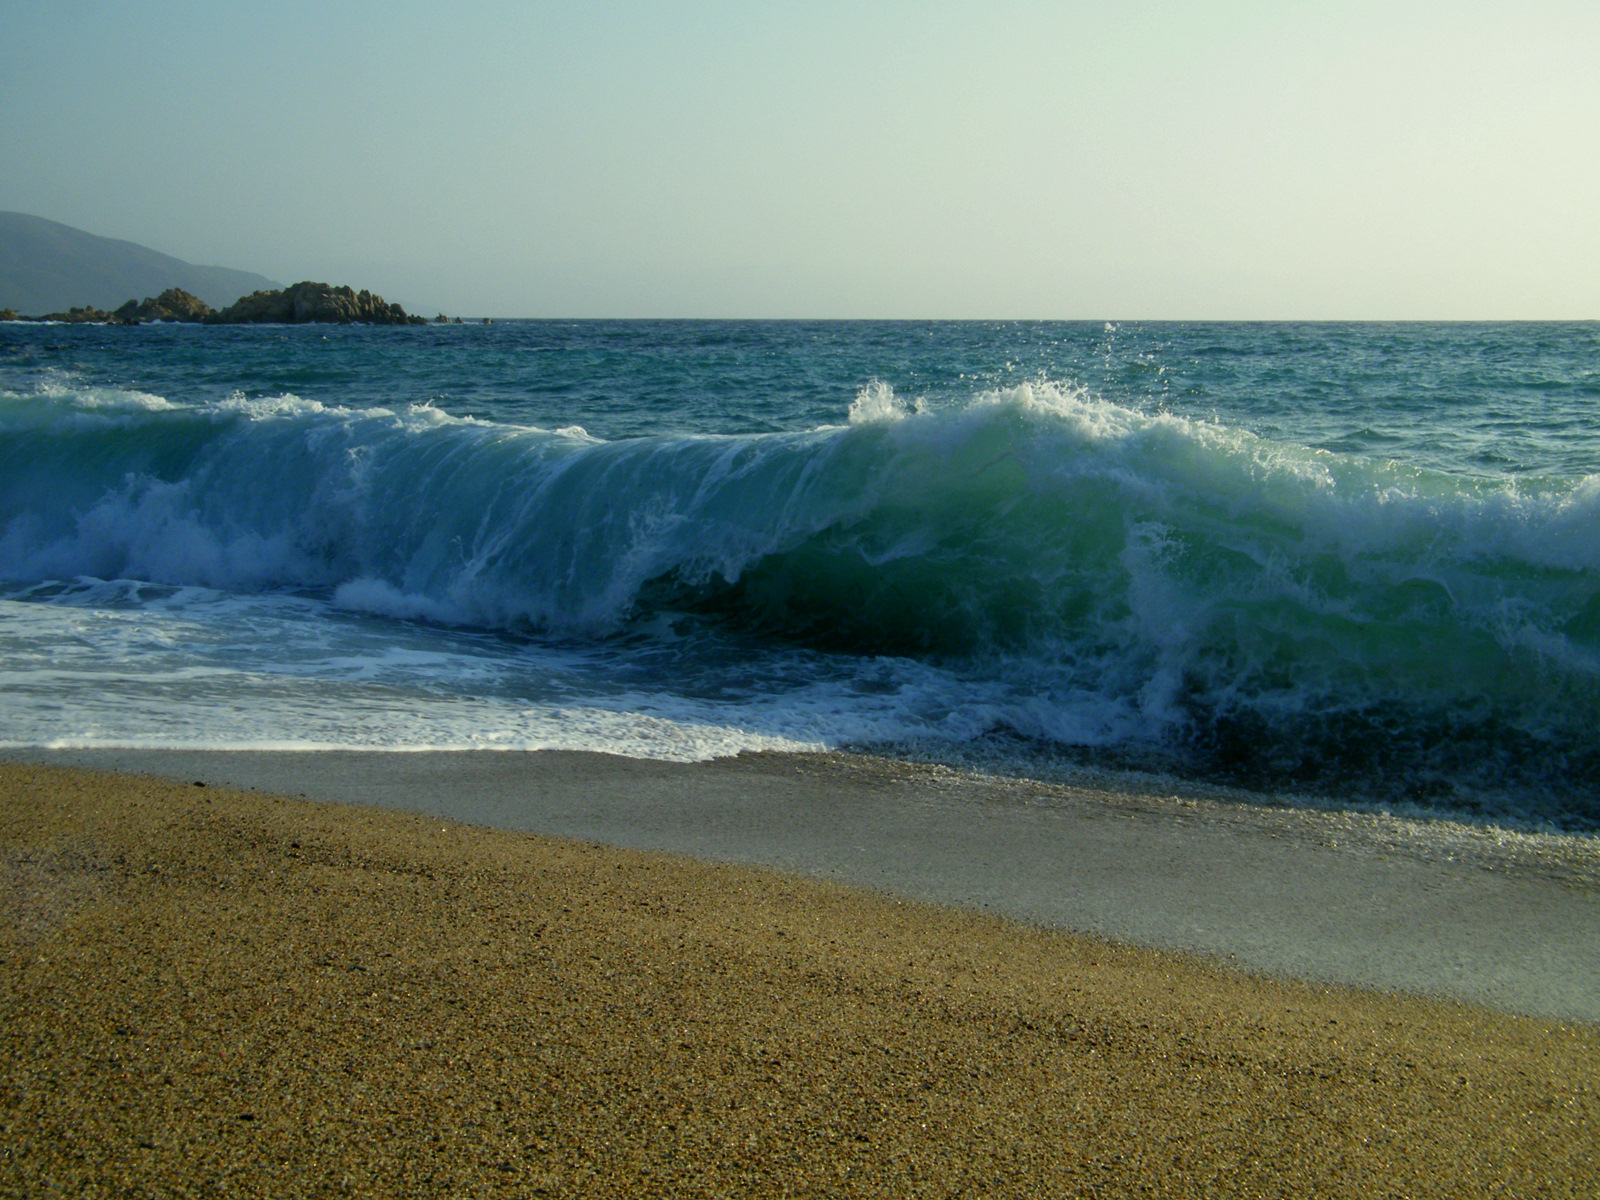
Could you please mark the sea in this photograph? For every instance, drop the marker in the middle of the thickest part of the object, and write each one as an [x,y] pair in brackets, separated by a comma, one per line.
[1344,564]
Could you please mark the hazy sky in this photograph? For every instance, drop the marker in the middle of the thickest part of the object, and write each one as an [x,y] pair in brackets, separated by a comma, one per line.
[1108,160]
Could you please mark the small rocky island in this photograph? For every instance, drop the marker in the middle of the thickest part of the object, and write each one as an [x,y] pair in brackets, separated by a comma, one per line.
[313,303]
[303,303]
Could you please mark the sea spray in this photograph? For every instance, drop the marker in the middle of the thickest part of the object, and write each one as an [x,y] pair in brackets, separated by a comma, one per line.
[1032,562]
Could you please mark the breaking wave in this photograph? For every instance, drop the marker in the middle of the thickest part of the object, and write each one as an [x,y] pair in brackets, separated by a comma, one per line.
[1154,585]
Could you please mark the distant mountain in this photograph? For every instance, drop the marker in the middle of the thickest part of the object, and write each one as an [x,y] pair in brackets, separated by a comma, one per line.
[49,267]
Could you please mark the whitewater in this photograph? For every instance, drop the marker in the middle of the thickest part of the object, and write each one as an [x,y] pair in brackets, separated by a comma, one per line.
[1357,564]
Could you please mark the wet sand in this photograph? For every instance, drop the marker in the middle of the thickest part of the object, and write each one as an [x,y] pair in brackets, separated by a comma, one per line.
[1506,920]
[205,989]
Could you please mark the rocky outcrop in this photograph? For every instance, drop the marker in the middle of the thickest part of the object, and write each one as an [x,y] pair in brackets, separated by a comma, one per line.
[304,303]
[84,316]
[308,302]
[174,304]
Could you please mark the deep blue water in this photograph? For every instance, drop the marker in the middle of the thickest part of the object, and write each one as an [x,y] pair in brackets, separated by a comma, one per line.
[1356,561]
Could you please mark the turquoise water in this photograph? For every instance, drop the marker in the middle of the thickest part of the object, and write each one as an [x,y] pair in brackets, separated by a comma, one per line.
[1355,561]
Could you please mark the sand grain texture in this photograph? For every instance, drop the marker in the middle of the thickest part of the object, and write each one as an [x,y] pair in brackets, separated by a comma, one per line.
[206,991]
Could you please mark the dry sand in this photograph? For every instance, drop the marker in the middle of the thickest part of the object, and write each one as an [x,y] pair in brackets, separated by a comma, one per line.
[1510,921]
[204,991]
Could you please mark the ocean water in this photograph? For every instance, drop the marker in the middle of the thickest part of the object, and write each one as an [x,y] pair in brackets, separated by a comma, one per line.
[1357,563]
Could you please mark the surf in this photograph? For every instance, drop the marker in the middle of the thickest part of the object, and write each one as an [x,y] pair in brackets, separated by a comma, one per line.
[1124,579]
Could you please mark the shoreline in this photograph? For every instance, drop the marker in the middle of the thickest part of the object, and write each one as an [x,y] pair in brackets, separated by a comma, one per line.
[1506,920]
[206,989]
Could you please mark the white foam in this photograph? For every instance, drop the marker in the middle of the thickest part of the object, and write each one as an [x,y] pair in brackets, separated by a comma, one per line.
[384,599]
[1161,559]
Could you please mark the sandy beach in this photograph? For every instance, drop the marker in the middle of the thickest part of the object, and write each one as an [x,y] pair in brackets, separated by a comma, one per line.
[1492,917]
[209,990]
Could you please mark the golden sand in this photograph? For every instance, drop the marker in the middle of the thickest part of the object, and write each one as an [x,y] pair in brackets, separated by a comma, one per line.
[205,991]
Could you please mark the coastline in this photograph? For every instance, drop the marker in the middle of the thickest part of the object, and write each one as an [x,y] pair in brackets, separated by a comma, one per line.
[208,988]
[1506,920]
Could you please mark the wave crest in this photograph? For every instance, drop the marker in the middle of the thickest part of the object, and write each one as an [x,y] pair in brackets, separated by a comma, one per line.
[1193,576]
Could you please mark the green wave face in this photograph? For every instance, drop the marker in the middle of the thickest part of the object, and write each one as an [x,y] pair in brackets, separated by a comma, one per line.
[1270,611]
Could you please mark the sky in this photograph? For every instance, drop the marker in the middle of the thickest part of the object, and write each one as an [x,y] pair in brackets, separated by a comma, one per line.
[1130,160]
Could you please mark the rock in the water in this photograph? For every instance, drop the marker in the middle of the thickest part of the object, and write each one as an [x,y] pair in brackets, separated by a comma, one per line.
[308,302]
[174,304]
[84,316]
